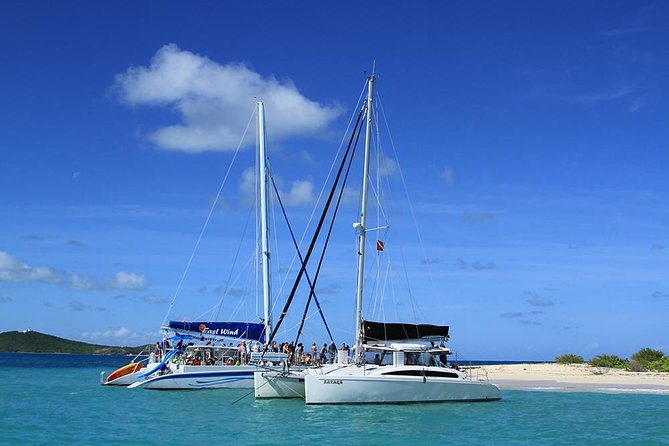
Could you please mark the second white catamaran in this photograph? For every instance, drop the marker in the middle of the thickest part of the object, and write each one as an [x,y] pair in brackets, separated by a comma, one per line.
[408,366]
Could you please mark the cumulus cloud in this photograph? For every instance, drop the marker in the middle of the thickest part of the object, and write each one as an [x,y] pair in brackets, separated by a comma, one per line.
[14,270]
[153,299]
[120,332]
[351,196]
[388,167]
[128,281]
[301,192]
[80,282]
[214,101]
[5,299]
[120,281]
[75,243]
[247,185]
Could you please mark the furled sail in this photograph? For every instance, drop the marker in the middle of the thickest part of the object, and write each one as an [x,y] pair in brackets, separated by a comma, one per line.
[218,330]
[380,331]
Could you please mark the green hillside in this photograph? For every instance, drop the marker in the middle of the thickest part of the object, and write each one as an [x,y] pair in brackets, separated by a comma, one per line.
[36,342]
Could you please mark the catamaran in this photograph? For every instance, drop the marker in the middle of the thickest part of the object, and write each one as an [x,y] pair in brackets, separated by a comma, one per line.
[214,364]
[410,360]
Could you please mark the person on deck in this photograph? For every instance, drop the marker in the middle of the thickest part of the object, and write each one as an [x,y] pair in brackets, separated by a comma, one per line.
[323,357]
[333,352]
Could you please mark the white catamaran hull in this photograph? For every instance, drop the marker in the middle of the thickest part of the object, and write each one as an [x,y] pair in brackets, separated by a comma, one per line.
[358,388]
[202,377]
[279,384]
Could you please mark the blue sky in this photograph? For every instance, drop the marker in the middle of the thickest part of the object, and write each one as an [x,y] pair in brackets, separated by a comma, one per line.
[532,138]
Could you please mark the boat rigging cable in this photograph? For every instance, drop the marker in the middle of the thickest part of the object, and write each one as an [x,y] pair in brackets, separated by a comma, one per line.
[312,285]
[411,209]
[317,232]
[327,238]
[206,223]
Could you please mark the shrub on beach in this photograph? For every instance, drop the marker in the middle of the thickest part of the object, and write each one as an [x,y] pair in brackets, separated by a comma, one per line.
[569,358]
[611,361]
[636,366]
[647,355]
[661,365]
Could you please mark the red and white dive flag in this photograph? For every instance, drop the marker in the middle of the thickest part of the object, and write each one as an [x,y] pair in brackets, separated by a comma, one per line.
[379,245]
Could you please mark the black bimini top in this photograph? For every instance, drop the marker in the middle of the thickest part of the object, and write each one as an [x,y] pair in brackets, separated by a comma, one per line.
[395,331]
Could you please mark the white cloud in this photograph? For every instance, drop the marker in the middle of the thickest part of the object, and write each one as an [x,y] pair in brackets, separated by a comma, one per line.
[215,101]
[14,270]
[79,282]
[301,193]
[351,196]
[128,281]
[247,185]
[388,167]
[154,299]
[120,281]
[121,332]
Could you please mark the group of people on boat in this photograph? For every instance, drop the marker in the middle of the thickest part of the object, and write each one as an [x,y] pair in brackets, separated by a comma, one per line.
[241,353]
[298,355]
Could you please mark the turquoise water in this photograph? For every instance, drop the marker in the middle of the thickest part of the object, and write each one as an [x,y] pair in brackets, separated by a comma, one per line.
[60,401]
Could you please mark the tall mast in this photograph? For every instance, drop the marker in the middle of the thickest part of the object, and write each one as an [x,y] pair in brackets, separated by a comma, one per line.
[362,225]
[264,225]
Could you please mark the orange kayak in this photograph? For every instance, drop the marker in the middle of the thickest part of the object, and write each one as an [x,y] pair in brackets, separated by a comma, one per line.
[125,370]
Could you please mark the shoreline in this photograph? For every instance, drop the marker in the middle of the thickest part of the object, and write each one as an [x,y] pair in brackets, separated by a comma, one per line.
[574,378]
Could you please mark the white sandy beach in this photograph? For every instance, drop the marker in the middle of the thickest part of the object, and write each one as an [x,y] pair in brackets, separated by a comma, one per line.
[574,377]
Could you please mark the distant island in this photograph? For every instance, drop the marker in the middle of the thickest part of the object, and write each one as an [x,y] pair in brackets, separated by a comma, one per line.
[29,341]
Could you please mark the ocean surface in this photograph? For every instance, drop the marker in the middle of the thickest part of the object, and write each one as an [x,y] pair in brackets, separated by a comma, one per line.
[58,399]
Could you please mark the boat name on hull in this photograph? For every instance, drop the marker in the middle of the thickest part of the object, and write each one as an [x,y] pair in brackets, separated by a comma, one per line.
[332,381]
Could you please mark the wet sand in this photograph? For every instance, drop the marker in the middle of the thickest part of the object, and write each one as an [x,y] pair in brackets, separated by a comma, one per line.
[574,377]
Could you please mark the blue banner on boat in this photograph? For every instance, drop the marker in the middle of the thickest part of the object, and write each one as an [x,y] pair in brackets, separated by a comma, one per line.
[241,330]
